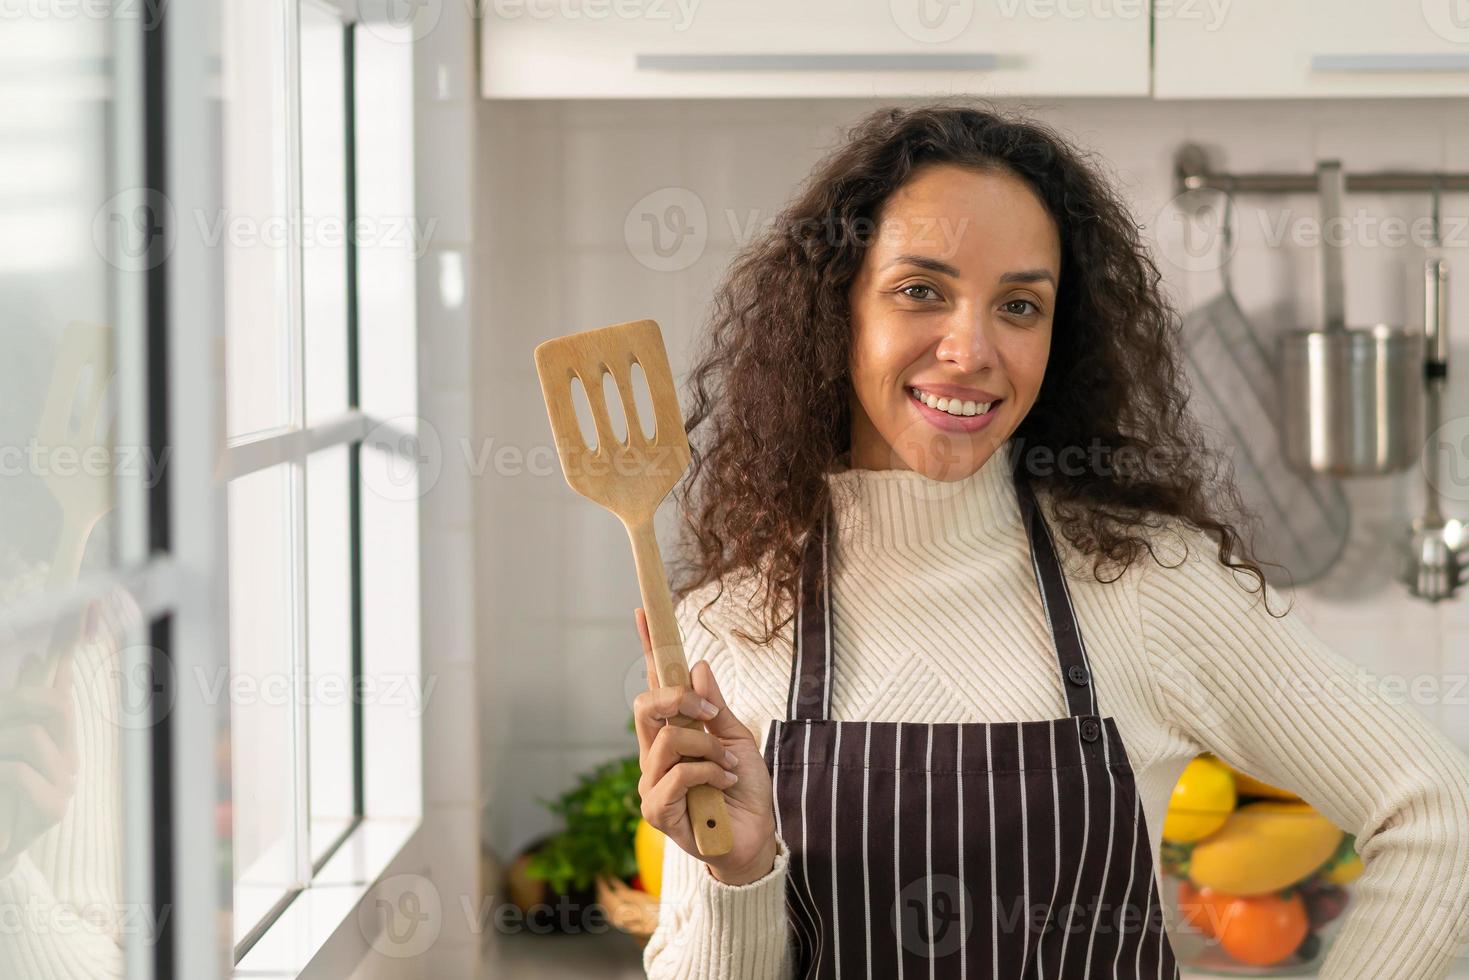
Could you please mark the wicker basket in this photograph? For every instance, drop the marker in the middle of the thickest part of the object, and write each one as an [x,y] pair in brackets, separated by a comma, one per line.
[633,911]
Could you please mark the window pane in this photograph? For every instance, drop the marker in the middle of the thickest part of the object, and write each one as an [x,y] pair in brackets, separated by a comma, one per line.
[262,691]
[387,346]
[324,210]
[390,625]
[329,646]
[254,228]
[72,248]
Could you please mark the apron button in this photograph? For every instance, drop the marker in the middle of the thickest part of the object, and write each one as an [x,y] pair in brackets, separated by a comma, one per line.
[1090,729]
[1077,674]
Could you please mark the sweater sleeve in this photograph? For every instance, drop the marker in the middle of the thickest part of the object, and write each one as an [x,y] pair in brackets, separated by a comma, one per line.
[49,939]
[62,914]
[707,929]
[1266,695]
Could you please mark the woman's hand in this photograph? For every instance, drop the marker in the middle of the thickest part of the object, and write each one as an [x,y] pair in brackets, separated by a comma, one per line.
[674,758]
[38,756]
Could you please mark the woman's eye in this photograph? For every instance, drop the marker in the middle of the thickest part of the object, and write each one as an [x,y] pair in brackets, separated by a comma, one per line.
[1025,302]
[918,285]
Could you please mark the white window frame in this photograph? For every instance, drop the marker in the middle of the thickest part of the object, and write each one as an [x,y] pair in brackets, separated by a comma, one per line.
[317,931]
[165,71]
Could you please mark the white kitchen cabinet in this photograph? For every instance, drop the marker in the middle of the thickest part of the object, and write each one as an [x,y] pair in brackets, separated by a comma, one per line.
[1310,48]
[801,48]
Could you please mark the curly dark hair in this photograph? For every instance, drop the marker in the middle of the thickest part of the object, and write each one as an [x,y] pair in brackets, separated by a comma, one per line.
[1114,380]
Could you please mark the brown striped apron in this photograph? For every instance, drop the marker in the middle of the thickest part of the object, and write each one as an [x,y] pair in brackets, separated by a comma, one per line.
[972,849]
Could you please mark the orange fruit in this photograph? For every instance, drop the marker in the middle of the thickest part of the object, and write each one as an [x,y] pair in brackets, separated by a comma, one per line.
[1195,907]
[1264,929]
[1203,907]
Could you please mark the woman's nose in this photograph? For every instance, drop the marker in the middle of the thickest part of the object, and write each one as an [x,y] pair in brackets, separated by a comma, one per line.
[966,342]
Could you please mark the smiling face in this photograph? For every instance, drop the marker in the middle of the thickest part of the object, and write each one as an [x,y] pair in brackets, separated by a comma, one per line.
[951,321]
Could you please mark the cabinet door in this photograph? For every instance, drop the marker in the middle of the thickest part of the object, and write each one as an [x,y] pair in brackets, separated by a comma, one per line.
[772,48]
[1311,48]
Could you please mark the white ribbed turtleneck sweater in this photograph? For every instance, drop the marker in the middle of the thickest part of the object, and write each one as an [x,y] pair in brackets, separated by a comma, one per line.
[936,617]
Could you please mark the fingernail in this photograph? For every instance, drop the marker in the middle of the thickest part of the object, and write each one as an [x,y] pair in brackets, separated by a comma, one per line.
[707,710]
[731,760]
[730,778]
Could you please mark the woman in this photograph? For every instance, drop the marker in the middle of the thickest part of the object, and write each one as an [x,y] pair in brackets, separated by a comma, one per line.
[973,592]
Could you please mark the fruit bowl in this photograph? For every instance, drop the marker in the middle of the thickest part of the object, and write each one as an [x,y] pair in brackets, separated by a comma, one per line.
[1255,880]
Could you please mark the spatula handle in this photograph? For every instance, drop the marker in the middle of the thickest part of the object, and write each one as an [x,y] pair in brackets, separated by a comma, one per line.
[708,814]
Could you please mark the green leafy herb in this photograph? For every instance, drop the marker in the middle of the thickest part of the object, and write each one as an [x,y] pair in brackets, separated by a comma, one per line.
[601,813]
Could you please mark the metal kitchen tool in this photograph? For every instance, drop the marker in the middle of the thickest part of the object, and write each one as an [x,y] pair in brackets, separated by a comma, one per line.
[1305,518]
[630,477]
[1350,399]
[1433,566]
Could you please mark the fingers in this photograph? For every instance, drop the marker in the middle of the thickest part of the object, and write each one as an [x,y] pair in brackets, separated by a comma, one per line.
[31,672]
[34,749]
[61,681]
[652,708]
[39,704]
[724,723]
[65,727]
[34,802]
[666,803]
[673,745]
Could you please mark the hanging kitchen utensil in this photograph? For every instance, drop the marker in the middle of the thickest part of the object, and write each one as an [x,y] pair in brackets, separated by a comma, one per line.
[1305,520]
[1351,402]
[630,477]
[1433,566]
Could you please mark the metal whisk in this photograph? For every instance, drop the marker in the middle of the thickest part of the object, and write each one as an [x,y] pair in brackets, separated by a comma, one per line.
[1433,563]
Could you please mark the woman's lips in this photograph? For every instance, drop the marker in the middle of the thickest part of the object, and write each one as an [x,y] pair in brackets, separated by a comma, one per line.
[953,423]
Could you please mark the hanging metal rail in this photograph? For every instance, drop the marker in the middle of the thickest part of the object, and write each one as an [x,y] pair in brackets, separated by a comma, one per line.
[1191,172]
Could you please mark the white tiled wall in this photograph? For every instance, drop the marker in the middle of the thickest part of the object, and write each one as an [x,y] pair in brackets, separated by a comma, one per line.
[556,182]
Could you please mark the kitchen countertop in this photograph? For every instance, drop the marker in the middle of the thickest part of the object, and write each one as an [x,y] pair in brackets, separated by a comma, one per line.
[613,956]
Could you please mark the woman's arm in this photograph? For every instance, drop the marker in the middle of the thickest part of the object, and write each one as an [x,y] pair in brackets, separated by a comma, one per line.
[707,929]
[1265,694]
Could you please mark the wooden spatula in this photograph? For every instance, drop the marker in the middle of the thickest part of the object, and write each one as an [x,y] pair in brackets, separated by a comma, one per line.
[630,477]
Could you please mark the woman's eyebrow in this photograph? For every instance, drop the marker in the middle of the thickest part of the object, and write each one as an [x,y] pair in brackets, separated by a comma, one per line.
[1030,275]
[936,265]
[924,262]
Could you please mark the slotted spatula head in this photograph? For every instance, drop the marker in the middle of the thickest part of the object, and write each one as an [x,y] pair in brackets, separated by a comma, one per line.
[632,476]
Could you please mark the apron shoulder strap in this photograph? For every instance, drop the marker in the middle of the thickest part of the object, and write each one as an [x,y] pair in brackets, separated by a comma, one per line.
[810,687]
[1071,658]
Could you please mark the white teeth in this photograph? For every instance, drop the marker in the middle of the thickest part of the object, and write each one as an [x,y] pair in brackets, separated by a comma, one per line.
[953,406]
